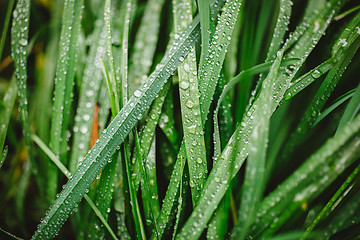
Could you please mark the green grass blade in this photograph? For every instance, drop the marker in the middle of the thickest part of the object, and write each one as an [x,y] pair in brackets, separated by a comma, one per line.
[8,104]
[64,81]
[91,84]
[328,110]
[67,173]
[115,134]
[190,108]
[351,109]
[6,26]
[145,44]
[255,168]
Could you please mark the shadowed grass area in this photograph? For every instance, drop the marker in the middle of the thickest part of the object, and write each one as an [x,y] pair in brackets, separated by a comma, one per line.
[183,119]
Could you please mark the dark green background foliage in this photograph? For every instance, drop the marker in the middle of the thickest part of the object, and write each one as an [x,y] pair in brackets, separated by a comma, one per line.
[182,119]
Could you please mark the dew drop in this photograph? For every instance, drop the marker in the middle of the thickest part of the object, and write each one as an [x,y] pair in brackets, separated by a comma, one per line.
[184,85]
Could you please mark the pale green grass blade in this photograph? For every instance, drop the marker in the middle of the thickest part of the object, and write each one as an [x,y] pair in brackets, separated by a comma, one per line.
[115,134]
[67,173]
[64,81]
[255,168]
[328,110]
[6,26]
[145,44]
[8,104]
[91,84]
[190,108]
[334,201]
[11,235]
[311,178]
[351,109]
[3,156]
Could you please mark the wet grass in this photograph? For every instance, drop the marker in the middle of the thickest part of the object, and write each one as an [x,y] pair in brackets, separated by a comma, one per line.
[179,119]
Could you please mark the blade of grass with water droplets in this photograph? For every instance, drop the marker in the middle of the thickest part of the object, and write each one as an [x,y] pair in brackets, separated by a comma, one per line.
[190,108]
[312,177]
[64,81]
[8,104]
[67,173]
[253,186]
[117,131]
[145,44]
[6,26]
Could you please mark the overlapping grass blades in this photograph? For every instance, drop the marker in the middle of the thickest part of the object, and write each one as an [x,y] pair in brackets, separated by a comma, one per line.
[155,172]
[64,83]
[114,135]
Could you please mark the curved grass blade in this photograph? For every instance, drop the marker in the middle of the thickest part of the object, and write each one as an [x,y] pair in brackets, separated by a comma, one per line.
[190,108]
[114,135]
[351,109]
[328,110]
[64,81]
[67,173]
[6,26]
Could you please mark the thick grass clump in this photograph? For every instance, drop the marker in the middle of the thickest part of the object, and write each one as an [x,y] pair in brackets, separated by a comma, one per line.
[207,119]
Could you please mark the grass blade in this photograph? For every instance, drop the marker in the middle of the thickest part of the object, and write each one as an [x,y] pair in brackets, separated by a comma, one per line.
[64,82]
[190,108]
